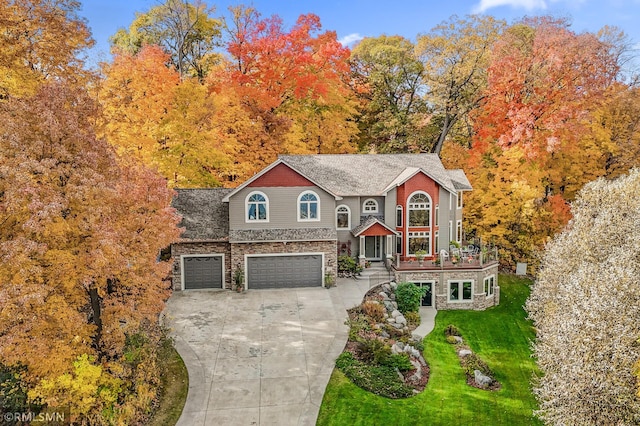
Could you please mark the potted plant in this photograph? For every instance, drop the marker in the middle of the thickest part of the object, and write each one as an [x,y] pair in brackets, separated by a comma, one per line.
[328,280]
[420,254]
[238,280]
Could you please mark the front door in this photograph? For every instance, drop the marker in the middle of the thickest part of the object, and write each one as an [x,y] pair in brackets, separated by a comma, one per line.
[427,299]
[373,247]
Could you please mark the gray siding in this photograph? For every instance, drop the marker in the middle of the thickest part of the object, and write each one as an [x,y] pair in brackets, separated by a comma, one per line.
[381,208]
[283,209]
[354,205]
[390,204]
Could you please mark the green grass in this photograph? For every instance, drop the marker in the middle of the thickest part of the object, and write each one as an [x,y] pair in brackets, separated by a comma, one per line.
[175,386]
[501,336]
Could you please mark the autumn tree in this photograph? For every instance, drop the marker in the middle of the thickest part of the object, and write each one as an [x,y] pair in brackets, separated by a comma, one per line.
[585,306]
[80,283]
[166,122]
[293,82]
[455,56]
[533,129]
[40,40]
[184,29]
[388,78]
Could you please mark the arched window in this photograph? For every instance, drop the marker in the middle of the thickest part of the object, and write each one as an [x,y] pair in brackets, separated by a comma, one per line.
[419,209]
[370,206]
[343,217]
[257,207]
[308,206]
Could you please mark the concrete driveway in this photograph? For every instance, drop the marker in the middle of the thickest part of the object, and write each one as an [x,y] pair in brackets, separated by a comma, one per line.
[262,357]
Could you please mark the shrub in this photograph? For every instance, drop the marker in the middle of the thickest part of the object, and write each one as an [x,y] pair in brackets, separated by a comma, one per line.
[356,325]
[413,318]
[399,361]
[374,351]
[451,330]
[374,310]
[345,360]
[452,340]
[473,362]
[408,297]
[347,264]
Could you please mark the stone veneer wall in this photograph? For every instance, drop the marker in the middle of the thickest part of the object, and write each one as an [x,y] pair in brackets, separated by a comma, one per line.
[238,250]
[441,278]
[178,249]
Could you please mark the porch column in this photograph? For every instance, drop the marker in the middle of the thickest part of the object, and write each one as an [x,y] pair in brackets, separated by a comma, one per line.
[361,249]
[389,247]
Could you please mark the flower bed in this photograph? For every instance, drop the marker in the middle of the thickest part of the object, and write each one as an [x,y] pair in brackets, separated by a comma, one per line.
[381,356]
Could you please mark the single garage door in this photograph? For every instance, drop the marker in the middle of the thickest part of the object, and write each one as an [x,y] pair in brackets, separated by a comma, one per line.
[202,272]
[284,271]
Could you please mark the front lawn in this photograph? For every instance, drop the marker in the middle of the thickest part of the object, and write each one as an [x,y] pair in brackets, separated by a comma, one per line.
[500,336]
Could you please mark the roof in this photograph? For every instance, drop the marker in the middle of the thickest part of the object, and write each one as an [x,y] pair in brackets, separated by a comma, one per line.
[205,217]
[369,174]
[459,180]
[368,223]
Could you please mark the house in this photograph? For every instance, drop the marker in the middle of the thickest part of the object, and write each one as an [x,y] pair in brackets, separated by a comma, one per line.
[287,225]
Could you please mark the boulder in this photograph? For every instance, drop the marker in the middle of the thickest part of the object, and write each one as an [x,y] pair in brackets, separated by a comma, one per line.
[385,334]
[395,305]
[396,313]
[458,339]
[388,305]
[386,288]
[384,295]
[481,379]
[398,326]
[391,320]
[393,285]
[400,319]
[464,352]
[392,296]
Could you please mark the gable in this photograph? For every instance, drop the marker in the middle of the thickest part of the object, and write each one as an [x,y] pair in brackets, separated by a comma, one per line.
[376,229]
[418,182]
[280,176]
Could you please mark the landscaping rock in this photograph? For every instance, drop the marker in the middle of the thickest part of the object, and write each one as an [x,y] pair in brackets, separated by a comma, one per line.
[385,334]
[458,339]
[384,295]
[400,319]
[388,305]
[393,285]
[391,320]
[464,352]
[398,326]
[481,379]
[395,305]
[396,313]
[392,296]
[386,288]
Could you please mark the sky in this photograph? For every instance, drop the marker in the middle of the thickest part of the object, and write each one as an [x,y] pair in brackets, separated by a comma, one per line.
[354,19]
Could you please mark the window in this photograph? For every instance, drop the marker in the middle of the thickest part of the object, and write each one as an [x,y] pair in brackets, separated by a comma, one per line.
[459,200]
[398,216]
[370,206]
[257,205]
[419,210]
[399,243]
[460,291]
[437,242]
[459,231]
[437,220]
[450,230]
[343,217]
[419,241]
[489,283]
[308,206]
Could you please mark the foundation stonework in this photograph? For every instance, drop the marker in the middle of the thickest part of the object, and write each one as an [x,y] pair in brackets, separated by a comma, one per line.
[480,301]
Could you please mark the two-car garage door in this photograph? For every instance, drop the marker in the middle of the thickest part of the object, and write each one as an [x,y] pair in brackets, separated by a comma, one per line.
[288,271]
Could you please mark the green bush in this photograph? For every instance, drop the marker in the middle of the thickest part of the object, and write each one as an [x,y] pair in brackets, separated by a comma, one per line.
[451,330]
[452,340]
[348,264]
[345,360]
[413,318]
[399,361]
[374,351]
[473,362]
[408,297]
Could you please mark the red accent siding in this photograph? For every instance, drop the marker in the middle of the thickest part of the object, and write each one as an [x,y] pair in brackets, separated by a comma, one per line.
[419,182]
[376,229]
[281,175]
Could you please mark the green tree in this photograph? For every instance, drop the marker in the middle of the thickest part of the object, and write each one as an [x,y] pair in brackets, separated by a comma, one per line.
[184,29]
[388,79]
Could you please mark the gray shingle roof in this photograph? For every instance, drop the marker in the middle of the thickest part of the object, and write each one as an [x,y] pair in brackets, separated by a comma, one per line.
[366,174]
[459,180]
[204,216]
[293,234]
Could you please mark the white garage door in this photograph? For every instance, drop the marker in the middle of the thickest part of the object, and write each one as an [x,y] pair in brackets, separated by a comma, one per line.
[301,270]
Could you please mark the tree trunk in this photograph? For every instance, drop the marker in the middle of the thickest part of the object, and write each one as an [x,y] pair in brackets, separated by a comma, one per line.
[97,315]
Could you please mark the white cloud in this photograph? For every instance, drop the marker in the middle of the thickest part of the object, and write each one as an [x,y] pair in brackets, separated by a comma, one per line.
[519,4]
[350,39]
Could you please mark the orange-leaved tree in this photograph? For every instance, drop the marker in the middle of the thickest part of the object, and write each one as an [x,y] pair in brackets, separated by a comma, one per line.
[80,283]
